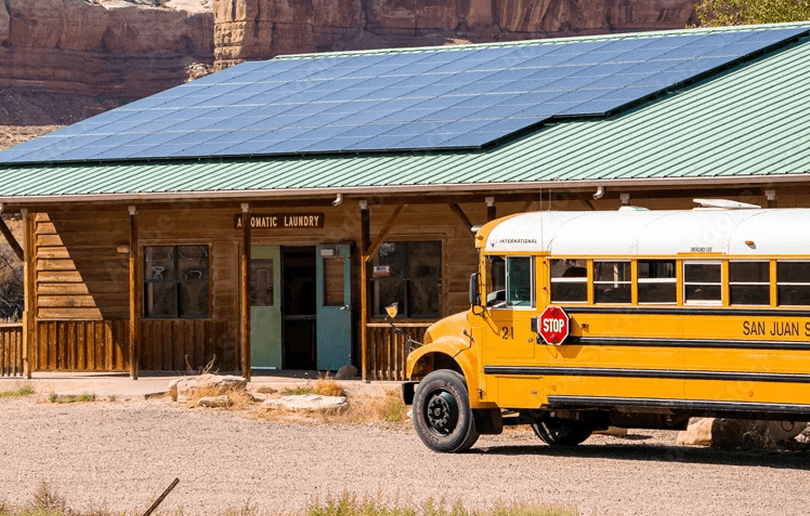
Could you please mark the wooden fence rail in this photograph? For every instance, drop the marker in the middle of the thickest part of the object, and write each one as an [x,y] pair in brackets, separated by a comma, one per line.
[11,350]
[82,346]
[388,349]
[172,344]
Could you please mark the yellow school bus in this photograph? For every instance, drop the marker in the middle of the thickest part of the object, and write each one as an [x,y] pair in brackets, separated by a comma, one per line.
[632,318]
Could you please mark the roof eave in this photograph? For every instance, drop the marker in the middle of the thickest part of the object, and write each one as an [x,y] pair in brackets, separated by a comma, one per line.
[431,189]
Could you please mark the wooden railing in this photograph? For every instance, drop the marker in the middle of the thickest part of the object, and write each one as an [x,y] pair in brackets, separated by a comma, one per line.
[82,346]
[11,350]
[174,344]
[387,349]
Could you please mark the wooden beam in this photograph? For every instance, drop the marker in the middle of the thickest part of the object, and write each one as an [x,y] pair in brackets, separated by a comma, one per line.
[455,208]
[389,225]
[134,296]
[365,243]
[29,286]
[244,305]
[492,210]
[15,246]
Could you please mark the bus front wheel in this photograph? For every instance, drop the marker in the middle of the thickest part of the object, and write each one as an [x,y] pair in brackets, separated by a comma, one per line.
[441,413]
[556,433]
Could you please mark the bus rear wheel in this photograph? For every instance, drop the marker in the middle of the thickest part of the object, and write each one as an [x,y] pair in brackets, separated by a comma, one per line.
[556,433]
[441,413]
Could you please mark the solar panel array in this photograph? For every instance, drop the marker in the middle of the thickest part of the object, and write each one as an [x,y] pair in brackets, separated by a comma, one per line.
[447,98]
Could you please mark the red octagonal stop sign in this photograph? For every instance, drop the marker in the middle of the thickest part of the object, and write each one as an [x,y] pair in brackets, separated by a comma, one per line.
[554,325]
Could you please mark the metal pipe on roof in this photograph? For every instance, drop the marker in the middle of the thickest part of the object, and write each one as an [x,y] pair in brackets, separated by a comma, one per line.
[600,191]
[338,200]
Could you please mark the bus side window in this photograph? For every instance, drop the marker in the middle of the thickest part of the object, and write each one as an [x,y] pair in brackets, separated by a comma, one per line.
[569,280]
[793,283]
[702,283]
[656,281]
[611,282]
[749,283]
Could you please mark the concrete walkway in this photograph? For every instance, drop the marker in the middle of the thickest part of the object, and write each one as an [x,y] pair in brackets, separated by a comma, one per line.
[120,386]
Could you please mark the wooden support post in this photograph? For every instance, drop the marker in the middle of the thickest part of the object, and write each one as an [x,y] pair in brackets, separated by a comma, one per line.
[365,242]
[371,250]
[29,290]
[389,225]
[492,211]
[15,246]
[455,208]
[771,196]
[134,296]
[245,292]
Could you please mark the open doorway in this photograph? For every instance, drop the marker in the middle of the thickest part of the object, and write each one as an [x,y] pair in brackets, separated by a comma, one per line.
[299,307]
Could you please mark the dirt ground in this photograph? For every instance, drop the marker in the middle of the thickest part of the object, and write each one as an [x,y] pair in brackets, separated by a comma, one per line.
[122,454]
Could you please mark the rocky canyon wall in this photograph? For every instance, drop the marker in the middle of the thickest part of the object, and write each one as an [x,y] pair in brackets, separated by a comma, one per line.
[100,48]
[260,29]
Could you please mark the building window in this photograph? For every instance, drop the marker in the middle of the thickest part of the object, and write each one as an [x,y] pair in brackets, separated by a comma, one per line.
[510,281]
[749,283]
[408,273]
[656,281]
[176,281]
[702,283]
[569,281]
[793,283]
[611,282]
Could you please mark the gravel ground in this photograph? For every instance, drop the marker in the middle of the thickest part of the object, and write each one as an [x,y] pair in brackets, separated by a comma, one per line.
[120,455]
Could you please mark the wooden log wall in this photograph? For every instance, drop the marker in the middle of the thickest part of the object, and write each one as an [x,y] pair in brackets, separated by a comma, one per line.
[177,344]
[80,274]
[388,349]
[82,346]
[11,352]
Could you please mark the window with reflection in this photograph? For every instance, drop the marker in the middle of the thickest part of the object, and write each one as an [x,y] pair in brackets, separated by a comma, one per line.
[793,283]
[510,281]
[176,281]
[611,282]
[569,281]
[702,283]
[749,283]
[656,282]
[408,273]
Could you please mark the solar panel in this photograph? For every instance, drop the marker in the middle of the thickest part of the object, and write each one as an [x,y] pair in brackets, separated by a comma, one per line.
[451,97]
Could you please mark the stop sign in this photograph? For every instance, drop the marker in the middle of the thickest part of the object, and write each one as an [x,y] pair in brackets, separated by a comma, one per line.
[553,325]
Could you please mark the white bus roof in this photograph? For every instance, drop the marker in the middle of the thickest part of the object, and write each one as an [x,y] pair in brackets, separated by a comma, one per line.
[730,231]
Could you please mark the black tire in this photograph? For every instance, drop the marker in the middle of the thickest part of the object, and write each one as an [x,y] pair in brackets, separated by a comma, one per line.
[555,433]
[442,416]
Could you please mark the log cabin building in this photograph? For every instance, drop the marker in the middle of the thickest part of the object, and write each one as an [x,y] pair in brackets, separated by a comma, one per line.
[262,217]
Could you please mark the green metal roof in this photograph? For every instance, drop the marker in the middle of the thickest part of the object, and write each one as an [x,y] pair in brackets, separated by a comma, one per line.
[749,124]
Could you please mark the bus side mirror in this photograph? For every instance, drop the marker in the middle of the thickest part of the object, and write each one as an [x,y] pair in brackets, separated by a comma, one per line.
[475,298]
[392,310]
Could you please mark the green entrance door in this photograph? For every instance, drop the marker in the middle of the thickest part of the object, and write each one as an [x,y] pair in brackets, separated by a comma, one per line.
[265,307]
[334,303]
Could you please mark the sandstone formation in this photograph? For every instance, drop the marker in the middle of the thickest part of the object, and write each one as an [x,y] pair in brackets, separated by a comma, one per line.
[308,403]
[182,389]
[105,48]
[260,29]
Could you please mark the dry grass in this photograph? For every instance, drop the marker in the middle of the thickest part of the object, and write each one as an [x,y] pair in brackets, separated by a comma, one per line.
[238,399]
[47,502]
[325,386]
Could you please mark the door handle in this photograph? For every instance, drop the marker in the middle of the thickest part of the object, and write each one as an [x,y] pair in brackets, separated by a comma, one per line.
[345,308]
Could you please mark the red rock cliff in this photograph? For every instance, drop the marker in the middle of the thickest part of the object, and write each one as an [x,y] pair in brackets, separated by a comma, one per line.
[104,47]
[259,29]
